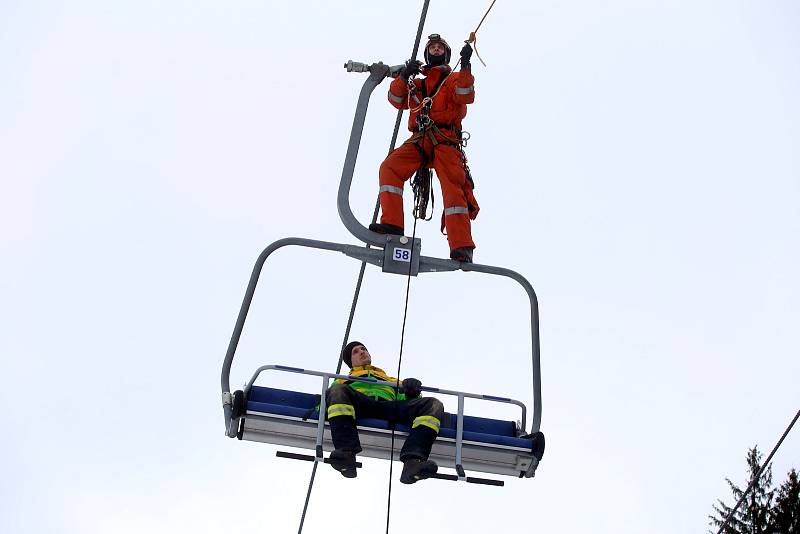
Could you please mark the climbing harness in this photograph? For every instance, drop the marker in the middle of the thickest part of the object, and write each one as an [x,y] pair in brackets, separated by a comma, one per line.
[426,128]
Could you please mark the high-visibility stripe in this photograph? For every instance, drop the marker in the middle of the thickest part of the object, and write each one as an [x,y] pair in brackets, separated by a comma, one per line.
[427,420]
[395,98]
[391,189]
[464,90]
[455,210]
[335,410]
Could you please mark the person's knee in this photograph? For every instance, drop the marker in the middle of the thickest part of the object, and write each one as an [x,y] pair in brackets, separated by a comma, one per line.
[338,392]
[387,169]
[435,407]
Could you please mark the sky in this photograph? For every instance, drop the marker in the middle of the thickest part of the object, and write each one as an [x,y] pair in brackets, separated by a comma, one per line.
[636,161]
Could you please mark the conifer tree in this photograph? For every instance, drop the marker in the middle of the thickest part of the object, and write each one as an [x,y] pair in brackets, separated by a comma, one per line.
[753,515]
[785,515]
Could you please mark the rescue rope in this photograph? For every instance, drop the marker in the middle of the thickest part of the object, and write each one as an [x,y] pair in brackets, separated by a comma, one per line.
[397,376]
[473,37]
[392,144]
[421,186]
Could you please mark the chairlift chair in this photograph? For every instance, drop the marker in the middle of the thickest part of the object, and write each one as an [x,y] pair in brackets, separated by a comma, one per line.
[283,417]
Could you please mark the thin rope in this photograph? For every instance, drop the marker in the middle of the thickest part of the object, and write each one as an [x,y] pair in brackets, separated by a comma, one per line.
[398,120]
[484,18]
[473,38]
[397,377]
[308,497]
[758,475]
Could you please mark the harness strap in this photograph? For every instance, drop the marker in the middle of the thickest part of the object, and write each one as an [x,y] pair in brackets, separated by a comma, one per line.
[431,131]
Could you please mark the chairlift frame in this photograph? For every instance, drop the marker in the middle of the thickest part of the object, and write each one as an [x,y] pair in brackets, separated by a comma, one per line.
[394,254]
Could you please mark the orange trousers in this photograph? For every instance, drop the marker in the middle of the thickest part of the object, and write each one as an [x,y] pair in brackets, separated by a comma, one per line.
[401,165]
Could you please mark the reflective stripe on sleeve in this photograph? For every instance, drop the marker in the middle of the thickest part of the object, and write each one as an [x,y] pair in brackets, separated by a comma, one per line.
[398,99]
[464,90]
[391,189]
[335,410]
[456,210]
[427,420]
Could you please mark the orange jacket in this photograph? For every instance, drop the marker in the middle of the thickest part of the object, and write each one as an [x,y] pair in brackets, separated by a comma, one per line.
[450,103]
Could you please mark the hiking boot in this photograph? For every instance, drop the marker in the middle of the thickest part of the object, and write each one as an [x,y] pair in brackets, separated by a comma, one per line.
[463,254]
[380,228]
[417,469]
[344,462]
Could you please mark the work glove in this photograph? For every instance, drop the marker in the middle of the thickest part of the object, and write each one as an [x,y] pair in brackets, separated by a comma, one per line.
[466,54]
[412,388]
[411,68]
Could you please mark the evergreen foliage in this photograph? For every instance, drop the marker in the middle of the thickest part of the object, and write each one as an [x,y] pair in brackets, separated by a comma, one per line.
[785,516]
[758,514]
[753,514]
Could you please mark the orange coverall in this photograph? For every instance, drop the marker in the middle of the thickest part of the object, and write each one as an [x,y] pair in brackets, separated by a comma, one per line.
[449,106]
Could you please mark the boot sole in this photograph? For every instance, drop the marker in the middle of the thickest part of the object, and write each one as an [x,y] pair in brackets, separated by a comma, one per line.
[421,475]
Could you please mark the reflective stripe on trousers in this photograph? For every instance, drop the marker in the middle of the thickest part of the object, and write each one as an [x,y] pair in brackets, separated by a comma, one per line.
[427,420]
[456,210]
[391,189]
[335,410]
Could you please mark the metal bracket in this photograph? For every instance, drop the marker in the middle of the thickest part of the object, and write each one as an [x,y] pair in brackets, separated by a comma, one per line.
[532,468]
[401,256]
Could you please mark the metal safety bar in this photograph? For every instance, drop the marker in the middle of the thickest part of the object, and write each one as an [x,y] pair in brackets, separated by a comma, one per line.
[326,377]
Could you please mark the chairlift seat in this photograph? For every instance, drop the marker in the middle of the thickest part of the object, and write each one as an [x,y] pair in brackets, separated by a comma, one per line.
[277,416]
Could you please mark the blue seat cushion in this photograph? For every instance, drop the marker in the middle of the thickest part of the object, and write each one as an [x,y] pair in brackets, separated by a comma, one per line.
[298,404]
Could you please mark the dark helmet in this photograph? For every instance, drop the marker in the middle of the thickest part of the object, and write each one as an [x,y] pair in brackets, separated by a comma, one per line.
[435,60]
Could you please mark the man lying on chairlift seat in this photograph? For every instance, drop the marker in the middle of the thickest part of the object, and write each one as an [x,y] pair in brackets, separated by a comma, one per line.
[348,400]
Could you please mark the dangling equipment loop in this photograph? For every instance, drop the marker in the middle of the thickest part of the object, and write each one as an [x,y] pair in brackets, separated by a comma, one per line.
[421,186]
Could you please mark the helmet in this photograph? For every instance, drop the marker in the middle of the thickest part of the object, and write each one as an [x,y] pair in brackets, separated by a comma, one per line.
[432,60]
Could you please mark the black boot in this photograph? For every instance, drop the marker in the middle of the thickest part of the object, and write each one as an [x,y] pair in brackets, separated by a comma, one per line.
[344,462]
[417,469]
[380,228]
[463,254]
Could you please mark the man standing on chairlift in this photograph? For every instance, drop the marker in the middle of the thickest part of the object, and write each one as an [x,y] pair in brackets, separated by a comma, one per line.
[348,400]
[438,103]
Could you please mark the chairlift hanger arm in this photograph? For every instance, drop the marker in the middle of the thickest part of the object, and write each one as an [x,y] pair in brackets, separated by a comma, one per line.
[377,72]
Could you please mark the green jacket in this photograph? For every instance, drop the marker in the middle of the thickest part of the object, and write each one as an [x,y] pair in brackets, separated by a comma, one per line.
[376,391]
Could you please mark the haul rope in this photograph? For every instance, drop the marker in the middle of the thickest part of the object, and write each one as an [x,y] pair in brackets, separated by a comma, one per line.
[421,24]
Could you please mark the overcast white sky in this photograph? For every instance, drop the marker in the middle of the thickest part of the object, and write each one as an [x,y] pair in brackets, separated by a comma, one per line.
[636,161]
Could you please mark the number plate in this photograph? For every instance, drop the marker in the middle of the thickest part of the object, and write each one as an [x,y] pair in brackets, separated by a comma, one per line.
[402,254]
